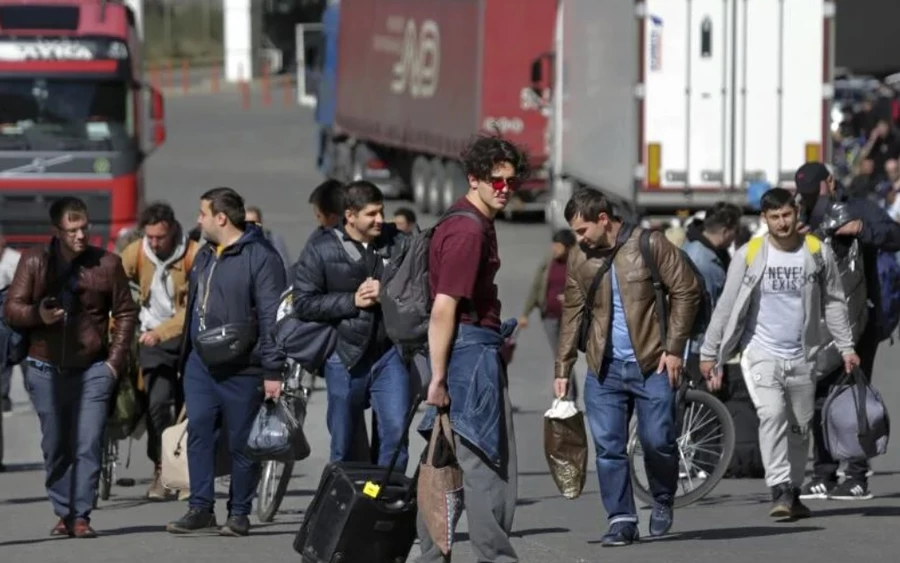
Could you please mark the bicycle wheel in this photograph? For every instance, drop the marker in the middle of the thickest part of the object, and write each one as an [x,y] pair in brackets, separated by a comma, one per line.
[273,485]
[107,459]
[705,448]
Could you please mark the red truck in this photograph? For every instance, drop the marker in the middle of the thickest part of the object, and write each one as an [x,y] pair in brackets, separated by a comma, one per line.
[72,116]
[406,84]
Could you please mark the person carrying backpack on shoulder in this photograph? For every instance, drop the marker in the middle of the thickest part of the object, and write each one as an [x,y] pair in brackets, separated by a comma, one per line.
[634,340]
[337,280]
[778,287]
[441,299]
[878,237]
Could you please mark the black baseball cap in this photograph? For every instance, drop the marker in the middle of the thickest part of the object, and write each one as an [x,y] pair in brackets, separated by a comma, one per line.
[810,176]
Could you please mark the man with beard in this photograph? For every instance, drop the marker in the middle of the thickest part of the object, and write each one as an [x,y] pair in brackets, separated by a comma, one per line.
[235,289]
[876,232]
[777,288]
[337,281]
[63,296]
[707,246]
[609,313]
[159,263]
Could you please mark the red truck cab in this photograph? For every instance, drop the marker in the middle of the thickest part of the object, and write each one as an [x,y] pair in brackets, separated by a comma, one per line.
[72,116]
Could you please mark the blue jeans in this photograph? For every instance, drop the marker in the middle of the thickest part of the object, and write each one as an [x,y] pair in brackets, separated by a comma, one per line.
[385,385]
[211,401]
[72,408]
[609,402]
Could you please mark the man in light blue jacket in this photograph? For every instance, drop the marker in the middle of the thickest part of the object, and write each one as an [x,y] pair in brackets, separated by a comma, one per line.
[776,290]
[707,246]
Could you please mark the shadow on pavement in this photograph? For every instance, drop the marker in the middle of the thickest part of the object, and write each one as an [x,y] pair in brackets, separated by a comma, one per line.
[23,467]
[25,500]
[860,511]
[463,536]
[725,534]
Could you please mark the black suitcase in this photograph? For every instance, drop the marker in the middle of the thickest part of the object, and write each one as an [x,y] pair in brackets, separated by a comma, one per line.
[361,513]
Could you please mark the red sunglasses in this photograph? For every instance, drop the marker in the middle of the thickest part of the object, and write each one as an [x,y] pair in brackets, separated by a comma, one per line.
[498,183]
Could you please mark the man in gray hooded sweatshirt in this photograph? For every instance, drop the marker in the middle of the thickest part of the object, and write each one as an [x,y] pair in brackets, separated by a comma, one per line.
[777,289]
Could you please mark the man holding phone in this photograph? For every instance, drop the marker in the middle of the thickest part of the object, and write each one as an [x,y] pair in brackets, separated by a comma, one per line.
[62,296]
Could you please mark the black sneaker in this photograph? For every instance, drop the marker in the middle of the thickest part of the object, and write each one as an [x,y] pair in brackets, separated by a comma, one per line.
[235,526]
[817,489]
[196,520]
[798,509]
[620,534]
[851,489]
[782,500]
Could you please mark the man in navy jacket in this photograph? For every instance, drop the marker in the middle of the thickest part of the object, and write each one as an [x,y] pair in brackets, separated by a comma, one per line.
[236,279]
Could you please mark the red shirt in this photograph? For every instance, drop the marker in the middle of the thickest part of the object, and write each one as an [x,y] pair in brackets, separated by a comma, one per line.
[556,285]
[463,262]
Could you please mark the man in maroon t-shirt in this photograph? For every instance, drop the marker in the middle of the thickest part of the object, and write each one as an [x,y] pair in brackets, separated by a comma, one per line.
[464,336]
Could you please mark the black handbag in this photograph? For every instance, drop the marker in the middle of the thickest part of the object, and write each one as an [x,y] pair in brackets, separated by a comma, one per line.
[225,344]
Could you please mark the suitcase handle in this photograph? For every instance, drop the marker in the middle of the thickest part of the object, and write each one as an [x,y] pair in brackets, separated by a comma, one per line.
[373,489]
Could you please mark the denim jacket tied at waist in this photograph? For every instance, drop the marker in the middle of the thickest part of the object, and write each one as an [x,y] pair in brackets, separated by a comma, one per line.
[475,380]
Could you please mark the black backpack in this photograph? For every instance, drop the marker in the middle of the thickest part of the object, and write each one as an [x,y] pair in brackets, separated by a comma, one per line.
[405,292]
[704,311]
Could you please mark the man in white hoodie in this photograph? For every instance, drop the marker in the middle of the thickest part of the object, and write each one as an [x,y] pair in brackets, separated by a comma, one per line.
[159,263]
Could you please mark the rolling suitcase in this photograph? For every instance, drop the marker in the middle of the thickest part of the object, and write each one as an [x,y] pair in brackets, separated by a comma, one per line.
[361,513]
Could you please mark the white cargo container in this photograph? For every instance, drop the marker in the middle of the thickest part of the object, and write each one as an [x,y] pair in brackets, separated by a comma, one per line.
[672,105]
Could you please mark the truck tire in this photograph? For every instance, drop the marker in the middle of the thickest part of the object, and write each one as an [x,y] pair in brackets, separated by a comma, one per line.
[436,186]
[420,177]
[454,184]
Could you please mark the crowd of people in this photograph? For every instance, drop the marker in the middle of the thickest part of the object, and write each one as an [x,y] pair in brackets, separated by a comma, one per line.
[776,302]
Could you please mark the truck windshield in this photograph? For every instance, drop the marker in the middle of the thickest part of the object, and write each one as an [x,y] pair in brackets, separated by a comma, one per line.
[48,114]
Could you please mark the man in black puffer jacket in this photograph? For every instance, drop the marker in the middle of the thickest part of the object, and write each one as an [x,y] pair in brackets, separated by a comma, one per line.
[875,232]
[337,280]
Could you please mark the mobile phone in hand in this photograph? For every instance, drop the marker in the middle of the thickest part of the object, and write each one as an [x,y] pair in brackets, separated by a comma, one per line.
[51,303]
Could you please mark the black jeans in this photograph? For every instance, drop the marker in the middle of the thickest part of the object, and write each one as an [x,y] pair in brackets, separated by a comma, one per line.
[825,467]
[160,383]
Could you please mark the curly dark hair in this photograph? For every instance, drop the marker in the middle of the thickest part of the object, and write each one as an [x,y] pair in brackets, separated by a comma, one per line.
[485,152]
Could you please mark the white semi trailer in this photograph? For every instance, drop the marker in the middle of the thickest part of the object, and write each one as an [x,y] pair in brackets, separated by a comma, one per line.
[671,105]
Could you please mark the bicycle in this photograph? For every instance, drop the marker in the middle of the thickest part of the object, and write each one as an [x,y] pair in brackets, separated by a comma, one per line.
[297,388]
[694,448]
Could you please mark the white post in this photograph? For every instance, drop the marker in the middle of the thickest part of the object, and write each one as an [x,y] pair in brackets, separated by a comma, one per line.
[304,98]
[243,22]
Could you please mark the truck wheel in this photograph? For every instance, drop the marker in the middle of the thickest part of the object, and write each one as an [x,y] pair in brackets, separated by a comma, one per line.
[454,184]
[436,187]
[420,177]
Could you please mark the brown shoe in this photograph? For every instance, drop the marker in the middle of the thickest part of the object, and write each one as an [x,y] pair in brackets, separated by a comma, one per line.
[156,491]
[61,529]
[81,529]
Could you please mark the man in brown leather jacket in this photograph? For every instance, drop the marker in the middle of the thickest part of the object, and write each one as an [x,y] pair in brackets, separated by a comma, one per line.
[62,297]
[632,366]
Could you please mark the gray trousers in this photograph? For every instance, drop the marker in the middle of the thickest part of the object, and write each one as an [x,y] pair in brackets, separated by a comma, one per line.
[490,501]
[784,393]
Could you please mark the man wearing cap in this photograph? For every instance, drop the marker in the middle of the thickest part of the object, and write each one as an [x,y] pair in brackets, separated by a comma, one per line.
[875,232]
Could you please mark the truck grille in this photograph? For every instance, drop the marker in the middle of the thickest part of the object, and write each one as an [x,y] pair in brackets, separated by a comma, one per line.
[25,220]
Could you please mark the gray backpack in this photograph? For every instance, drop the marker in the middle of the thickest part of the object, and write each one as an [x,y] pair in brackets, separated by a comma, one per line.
[405,290]
[855,422]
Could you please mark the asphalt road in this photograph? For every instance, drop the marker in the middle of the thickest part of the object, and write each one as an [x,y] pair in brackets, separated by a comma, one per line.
[267,154]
